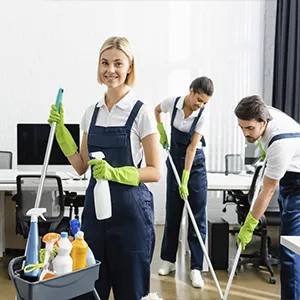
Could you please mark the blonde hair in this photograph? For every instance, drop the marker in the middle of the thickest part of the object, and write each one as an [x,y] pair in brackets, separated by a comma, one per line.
[120,43]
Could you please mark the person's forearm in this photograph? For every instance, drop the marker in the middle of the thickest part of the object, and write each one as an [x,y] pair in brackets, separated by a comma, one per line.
[78,163]
[189,157]
[261,203]
[149,174]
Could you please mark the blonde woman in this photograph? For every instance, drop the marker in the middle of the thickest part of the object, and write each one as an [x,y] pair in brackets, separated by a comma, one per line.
[120,126]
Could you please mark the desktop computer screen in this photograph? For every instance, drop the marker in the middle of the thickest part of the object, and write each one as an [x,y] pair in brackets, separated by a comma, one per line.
[32,142]
[252,153]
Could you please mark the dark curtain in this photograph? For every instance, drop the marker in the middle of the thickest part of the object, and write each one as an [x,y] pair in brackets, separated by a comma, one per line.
[286,81]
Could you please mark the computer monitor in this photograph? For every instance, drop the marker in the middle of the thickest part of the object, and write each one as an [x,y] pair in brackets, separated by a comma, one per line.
[252,153]
[32,140]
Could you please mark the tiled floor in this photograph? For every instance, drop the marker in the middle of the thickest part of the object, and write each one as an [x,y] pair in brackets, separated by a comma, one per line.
[249,284]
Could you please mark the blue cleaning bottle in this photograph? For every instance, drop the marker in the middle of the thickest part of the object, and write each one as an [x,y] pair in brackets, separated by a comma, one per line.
[75,227]
[32,248]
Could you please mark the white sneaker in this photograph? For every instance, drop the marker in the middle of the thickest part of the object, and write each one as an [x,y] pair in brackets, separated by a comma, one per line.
[196,279]
[166,268]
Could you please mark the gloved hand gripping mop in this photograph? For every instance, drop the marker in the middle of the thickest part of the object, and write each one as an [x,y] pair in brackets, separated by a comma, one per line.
[236,260]
[195,224]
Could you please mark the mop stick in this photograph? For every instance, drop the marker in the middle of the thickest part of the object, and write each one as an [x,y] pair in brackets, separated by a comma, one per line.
[195,226]
[48,152]
[236,260]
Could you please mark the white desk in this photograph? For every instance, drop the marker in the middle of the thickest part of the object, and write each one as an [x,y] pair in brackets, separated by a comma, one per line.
[291,242]
[216,182]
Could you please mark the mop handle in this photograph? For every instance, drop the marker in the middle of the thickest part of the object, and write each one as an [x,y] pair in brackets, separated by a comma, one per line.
[48,152]
[195,225]
[237,257]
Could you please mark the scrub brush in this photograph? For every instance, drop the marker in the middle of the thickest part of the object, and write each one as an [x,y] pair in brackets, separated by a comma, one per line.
[152,296]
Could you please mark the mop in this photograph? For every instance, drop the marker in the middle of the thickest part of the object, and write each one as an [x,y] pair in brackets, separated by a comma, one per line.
[236,260]
[195,226]
[46,158]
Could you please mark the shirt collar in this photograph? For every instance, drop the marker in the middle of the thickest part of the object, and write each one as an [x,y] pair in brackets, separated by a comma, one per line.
[124,103]
[179,105]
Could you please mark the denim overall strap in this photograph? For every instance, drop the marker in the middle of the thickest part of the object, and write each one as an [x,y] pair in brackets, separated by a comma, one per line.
[195,122]
[283,136]
[192,130]
[134,113]
[94,117]
[174,111]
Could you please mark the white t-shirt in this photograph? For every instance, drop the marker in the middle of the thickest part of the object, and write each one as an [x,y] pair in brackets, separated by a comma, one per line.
[283,155]
[143,124]
[180,122]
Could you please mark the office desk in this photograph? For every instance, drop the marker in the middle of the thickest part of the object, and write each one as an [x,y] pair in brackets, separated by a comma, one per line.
[291,242]
[216,182]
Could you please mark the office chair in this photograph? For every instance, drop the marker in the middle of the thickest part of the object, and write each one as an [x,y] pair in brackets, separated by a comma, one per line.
[52,199]
[270,217]
[74,201]
[5,160]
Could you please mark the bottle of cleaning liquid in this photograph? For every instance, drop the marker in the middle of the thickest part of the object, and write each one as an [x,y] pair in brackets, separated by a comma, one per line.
[75,227]
[79,251]
[33,251]
[102,201]
[49,239]
[63,262]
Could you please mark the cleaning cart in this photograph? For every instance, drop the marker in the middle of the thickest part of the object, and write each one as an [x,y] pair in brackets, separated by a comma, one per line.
[62,287]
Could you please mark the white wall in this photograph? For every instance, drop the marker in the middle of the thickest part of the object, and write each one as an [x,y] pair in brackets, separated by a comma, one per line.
[51,44]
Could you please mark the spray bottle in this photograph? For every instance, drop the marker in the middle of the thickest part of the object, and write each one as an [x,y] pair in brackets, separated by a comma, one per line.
[32,253]
[49,239]
[102,201]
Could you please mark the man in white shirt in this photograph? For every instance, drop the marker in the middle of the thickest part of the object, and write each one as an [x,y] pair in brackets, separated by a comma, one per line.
[279,138]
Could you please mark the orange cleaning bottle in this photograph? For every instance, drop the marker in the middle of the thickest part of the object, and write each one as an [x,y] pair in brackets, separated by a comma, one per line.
[79,251]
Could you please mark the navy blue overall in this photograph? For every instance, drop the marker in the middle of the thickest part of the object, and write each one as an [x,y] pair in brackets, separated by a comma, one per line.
[289,204]
[125,242]
[197,187]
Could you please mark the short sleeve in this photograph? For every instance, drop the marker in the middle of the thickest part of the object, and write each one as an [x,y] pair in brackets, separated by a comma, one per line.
[279,156]
[146,122]
[86,119]
[201,126]
[167,105]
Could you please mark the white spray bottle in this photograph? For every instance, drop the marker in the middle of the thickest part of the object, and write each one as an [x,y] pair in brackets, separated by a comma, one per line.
[102,200]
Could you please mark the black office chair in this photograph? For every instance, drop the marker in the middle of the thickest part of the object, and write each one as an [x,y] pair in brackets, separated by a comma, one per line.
[74,201]
[270,217]
[5,160]
[52,199]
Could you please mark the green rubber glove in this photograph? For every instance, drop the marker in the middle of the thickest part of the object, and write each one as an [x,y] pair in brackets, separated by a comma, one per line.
[62,134]
[163,136]
[246,231]
[125,175]
[183,189]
